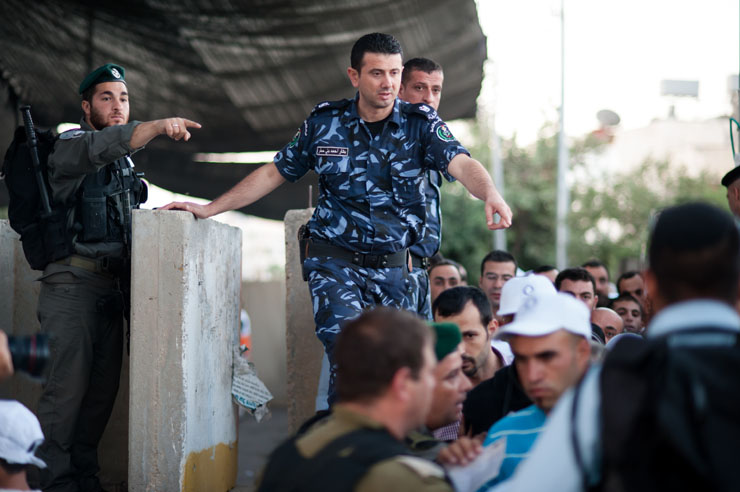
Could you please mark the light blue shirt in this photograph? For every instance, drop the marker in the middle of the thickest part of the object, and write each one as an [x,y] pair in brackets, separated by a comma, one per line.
[551,462]
[520,430]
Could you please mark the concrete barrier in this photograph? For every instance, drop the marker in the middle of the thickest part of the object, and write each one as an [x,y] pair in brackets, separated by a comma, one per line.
[19,292]
[304,349]
[185,320]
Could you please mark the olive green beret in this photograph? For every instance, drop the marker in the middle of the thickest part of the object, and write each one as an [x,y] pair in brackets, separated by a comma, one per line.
[448,338]
[109,72]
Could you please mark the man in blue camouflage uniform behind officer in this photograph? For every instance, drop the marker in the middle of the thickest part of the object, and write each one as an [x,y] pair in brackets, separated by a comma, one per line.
[421,83]
[371,154]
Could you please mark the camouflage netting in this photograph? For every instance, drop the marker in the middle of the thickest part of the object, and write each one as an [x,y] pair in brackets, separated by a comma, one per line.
[249,71]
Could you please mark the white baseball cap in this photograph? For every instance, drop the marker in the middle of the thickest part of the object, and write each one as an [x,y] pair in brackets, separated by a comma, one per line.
[20,434]
[518,289]
[544,314]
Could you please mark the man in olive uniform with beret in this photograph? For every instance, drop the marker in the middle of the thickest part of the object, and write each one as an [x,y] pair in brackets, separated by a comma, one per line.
[84,296]
[452,385]
[385,381]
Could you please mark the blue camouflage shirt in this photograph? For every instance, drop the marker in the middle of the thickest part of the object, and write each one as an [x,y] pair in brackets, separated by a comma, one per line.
[371,189]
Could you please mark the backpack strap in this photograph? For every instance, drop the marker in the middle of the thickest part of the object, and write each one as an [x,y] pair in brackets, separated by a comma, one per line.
[574,435]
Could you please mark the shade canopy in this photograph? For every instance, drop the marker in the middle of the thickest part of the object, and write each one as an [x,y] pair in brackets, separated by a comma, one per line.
[248,71]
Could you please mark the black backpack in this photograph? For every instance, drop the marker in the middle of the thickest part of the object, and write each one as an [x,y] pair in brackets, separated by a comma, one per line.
[670,413]
[44,236]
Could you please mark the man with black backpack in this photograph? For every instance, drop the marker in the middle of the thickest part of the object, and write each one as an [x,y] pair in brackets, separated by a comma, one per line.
[662,413]
[85,284]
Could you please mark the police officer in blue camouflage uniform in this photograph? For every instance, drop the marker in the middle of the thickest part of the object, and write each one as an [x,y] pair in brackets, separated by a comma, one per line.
[421,83]
[371,154]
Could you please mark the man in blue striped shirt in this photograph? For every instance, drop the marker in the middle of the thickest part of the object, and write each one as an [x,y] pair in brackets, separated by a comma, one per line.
[550,341]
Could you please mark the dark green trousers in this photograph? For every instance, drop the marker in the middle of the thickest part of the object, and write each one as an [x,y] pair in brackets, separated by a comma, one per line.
[82,312]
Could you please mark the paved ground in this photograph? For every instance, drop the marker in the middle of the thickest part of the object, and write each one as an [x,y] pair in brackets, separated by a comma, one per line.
[256,442]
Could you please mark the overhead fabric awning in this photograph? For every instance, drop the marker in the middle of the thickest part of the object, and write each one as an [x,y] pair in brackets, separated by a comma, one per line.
[249,71]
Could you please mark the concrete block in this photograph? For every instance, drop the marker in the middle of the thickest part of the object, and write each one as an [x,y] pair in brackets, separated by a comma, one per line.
[19,291]
[304,351]
[185,321]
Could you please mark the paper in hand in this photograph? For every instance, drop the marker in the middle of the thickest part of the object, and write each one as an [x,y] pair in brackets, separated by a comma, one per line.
[485,467]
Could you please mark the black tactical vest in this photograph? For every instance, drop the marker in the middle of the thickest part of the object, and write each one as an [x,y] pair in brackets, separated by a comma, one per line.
[105,201]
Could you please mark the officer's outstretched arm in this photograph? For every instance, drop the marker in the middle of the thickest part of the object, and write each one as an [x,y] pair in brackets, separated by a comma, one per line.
[478,182]
[250,189]
[175,128]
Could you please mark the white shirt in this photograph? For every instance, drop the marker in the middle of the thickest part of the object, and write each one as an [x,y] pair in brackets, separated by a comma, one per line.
[551,460]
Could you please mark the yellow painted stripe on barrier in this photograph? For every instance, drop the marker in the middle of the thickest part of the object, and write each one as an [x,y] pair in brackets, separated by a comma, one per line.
[213,469]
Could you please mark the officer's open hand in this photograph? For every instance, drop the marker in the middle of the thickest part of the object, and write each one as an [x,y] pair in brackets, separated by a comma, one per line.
[497,205]
[461,452]
[6,360]
[177,128]
[200,211]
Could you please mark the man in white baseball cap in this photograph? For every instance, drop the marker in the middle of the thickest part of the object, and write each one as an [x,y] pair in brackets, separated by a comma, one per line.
[550,340]
[519,289]
[20,436]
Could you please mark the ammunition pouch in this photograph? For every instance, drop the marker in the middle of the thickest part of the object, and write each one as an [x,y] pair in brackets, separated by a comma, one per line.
[105,201]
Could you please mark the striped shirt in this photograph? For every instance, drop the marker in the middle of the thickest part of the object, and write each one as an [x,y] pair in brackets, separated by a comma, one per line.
[520,430]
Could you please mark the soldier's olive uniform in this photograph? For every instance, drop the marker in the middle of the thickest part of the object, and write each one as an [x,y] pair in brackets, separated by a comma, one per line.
[83,299]
[398,472]
[371,206]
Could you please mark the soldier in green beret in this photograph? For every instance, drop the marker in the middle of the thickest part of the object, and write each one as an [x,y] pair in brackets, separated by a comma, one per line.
[85,294]
[443,419]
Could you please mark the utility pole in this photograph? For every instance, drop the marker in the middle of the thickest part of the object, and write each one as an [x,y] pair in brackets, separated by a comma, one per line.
[499,235]
[563,200]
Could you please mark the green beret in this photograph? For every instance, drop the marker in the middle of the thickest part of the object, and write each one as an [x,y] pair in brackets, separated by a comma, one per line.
[109,72]
[448,338]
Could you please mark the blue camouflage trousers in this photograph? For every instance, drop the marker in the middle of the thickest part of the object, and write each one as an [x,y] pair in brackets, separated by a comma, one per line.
[341,291]
[423,301]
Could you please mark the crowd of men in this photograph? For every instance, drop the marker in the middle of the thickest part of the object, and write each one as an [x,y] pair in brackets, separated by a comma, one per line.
[558,411]
[524,382]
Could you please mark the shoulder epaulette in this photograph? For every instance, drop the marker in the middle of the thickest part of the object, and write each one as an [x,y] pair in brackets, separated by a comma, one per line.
[323,106]
[420,109]
[73,133]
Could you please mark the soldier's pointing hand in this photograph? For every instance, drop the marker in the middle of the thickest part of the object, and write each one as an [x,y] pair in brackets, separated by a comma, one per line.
[176,128]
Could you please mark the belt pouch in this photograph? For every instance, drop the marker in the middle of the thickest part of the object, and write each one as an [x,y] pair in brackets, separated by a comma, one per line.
[94,218]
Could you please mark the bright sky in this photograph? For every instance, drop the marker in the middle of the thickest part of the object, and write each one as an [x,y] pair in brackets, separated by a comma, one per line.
[616,54]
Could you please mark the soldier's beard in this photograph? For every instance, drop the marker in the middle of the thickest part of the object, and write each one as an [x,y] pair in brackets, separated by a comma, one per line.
[98,120]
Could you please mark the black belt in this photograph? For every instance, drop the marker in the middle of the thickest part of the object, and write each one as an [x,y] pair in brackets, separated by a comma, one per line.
[420,262]
[389,260]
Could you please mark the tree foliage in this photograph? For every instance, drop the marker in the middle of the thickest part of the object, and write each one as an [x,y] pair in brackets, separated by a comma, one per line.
[610,210]
[610,218]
